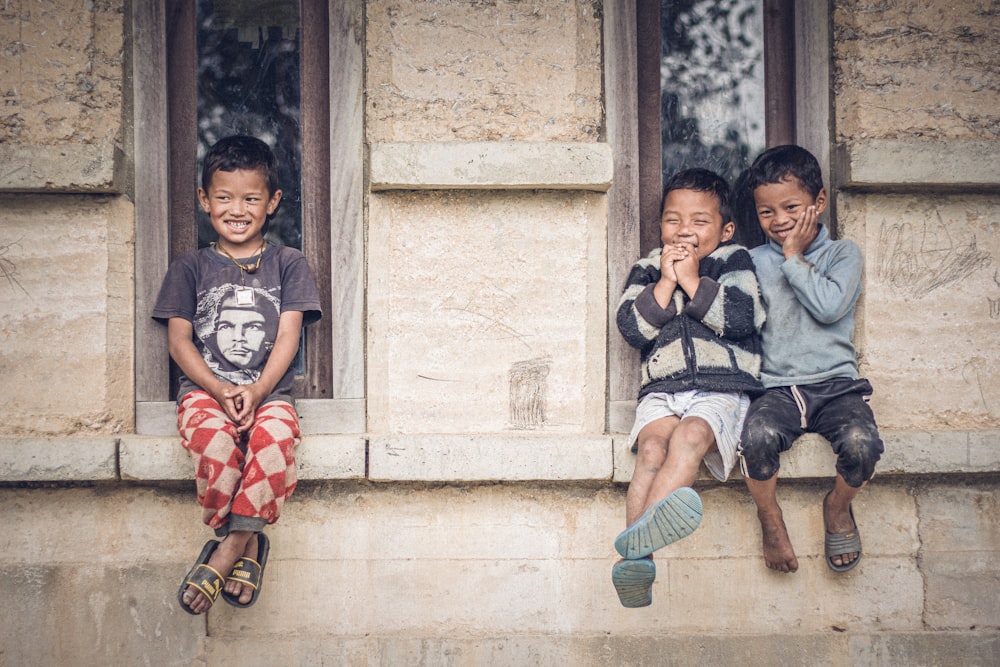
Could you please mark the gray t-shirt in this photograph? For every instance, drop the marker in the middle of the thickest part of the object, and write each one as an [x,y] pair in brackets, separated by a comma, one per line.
[236,322]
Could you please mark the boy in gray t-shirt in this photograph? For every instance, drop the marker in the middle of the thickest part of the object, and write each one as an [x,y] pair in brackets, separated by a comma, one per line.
[234,314]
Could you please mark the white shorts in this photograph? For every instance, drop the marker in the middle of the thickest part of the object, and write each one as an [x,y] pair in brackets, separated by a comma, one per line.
[724,413]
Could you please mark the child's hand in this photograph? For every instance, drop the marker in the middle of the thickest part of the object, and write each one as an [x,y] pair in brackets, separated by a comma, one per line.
[670,255]
[246,398]
[802,235]
[664,289]
[221,393]
[686,269]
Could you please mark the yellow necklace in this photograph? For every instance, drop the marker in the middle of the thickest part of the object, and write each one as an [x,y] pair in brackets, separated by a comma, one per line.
[248,268]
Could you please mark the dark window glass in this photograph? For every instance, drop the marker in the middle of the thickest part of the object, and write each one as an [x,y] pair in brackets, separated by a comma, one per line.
[249,83]
[712,84]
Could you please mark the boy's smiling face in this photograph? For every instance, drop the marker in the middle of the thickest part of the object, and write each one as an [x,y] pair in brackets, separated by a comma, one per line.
[693,218]
[238,203]
[781,205]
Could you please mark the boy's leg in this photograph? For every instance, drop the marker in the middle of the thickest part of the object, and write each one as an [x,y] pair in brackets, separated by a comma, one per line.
[211,439]
[269,474]
[849,424]
[771,426]
[687,446]
[651,453]
[633,580]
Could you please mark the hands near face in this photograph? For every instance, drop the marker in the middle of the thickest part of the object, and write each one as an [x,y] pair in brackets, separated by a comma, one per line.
[678,266]
[802,234]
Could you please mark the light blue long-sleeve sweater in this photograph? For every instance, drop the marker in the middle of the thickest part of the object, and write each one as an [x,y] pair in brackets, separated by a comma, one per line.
[810,300]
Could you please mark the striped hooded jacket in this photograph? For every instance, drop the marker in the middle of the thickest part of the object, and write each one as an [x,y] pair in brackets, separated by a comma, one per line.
[709,343]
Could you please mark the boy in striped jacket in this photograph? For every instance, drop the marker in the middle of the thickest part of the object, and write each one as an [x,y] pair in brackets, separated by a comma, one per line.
[693,310]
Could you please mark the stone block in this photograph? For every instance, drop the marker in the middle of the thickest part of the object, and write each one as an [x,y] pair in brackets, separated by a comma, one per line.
[476,323]
[483,72]
[67,168]
[970,649]
[895,162]
[64,459]
[491,166]
[514,457]
[161,458]
[81,613]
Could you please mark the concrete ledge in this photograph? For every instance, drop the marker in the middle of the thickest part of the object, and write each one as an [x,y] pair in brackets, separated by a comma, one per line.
[906,453]
[881,163]
[502,457]
[155,458]
[58,459]
[66,168]
[511,456]
[491,165]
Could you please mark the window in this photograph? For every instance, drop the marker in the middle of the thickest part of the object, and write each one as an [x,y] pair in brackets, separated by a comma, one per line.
[265,40]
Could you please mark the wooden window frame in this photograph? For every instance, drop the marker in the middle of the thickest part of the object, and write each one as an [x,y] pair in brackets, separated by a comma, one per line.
[161,101]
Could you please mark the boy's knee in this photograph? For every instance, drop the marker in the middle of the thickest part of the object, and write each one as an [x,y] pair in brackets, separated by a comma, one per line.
[761,444]
[651,451]
[859,449]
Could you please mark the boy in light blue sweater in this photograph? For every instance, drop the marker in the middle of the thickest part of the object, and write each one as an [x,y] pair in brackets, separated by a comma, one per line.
[810,285]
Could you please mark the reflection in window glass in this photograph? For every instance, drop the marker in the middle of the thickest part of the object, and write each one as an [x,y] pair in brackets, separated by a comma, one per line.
[249,83]
[712,80]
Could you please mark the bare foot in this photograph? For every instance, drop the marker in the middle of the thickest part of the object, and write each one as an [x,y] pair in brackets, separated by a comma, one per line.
[778,552]
[839,520]
[222,561]
[237,588]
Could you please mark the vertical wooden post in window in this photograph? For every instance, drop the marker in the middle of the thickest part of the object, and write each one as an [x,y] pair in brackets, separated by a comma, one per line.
[647,17]
[779,71]
[316,219]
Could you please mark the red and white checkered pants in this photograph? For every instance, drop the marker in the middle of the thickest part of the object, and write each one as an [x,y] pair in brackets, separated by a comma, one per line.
[251,476]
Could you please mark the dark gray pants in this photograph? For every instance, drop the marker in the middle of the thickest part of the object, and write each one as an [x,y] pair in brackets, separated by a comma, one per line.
[836,409]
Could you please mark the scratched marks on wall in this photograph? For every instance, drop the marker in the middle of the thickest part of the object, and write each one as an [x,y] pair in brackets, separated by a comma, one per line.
[8,269]
[917,259]
[527,392]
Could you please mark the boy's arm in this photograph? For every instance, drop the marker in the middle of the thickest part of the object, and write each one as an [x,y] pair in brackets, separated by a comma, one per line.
[640,316]
[730,306]
[829,295]
[180,343]
[248,397]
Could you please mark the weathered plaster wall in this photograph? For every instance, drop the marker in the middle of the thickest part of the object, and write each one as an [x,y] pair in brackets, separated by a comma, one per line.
[925,70]
[365,574]
[61,71]
[932,297]
[496,70]
[66,313]
[486,312]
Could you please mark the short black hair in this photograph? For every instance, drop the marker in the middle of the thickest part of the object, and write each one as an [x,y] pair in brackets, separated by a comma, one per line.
[778,163]
[701,180]
[241,152]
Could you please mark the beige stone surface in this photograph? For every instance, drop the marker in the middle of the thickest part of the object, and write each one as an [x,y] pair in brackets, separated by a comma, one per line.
[925,70]
[61,72]
[486,312]
[443,70]
[931,295]
[66,315]
[415,568]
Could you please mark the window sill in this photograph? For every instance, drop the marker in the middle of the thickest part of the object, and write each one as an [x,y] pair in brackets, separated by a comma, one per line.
[463,458]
